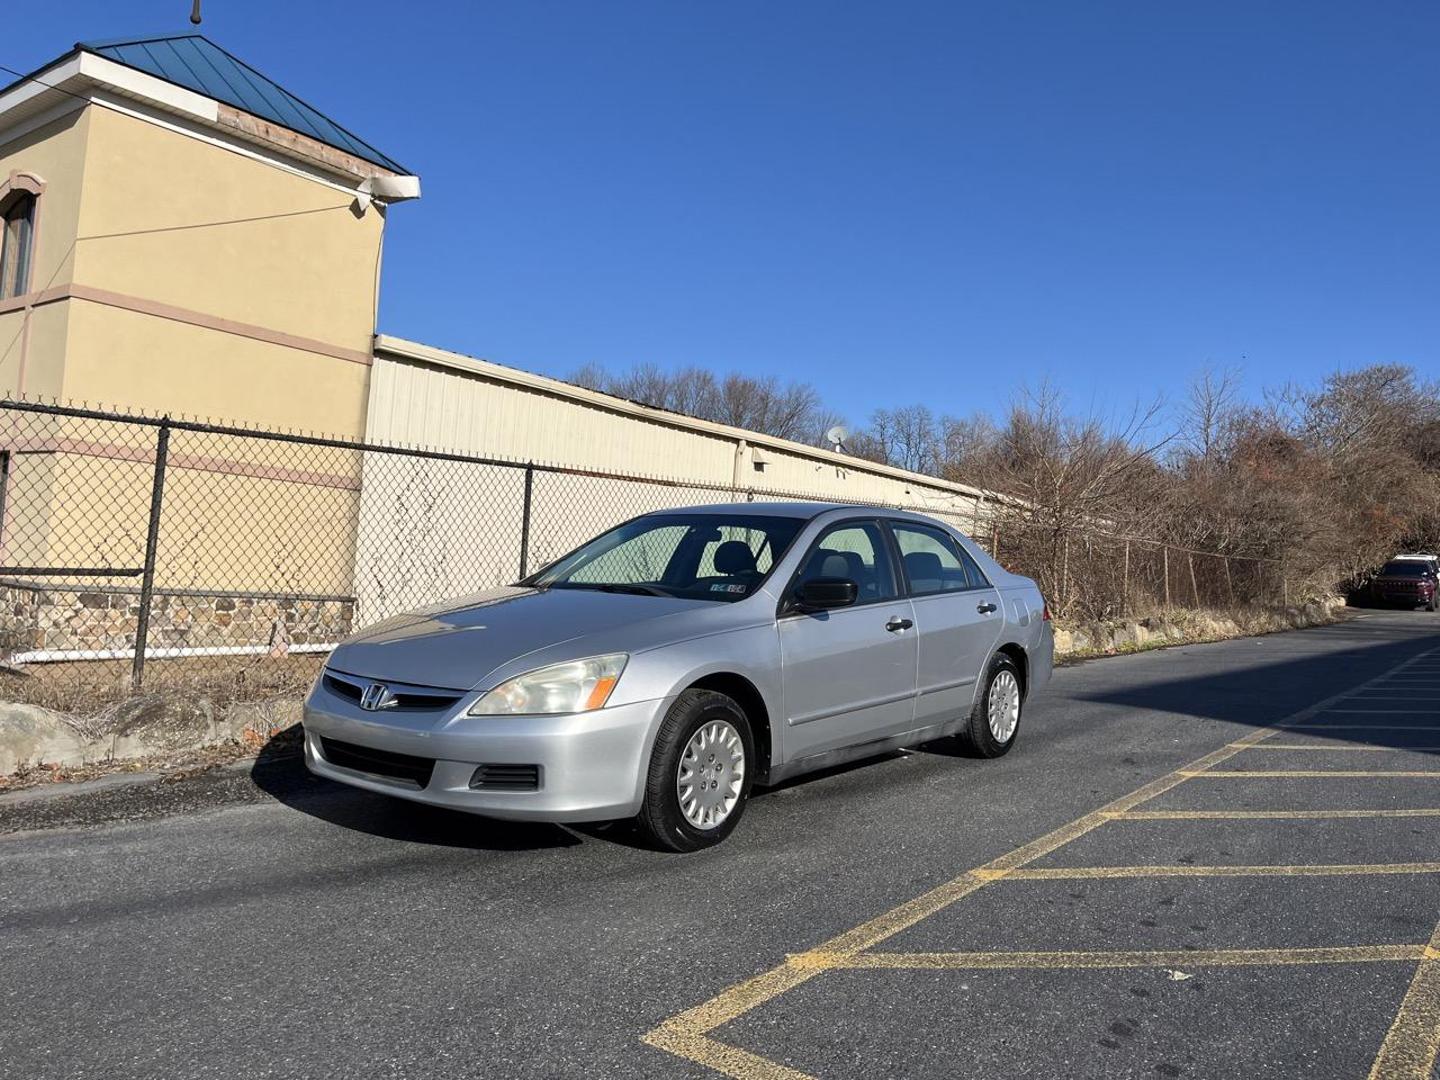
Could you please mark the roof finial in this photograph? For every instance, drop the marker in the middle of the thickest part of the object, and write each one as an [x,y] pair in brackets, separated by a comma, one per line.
[195,13]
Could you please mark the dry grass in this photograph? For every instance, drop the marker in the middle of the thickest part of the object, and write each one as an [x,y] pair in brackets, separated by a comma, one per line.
[90,687]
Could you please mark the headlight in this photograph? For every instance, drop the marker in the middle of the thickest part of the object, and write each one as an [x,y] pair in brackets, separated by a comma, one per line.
[578,686]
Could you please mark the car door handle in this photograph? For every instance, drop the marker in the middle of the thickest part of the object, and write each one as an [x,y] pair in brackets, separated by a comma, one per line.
[896,624]
[985,609]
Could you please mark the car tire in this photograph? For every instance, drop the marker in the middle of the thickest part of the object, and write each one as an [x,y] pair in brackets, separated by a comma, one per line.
[1004,690]
[681,744]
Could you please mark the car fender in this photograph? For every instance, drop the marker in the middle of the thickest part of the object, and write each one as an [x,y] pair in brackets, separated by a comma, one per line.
[751,652]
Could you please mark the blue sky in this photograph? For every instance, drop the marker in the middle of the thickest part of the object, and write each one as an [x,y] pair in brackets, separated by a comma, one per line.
[896,202]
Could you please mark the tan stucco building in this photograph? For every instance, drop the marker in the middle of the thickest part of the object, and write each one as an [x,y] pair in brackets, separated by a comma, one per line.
[178,241]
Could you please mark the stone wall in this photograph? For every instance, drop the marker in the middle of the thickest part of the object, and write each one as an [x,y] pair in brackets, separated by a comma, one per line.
[77,618]
[1181,626]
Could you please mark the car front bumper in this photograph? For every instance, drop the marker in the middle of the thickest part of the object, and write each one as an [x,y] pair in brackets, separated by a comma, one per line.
[591,766]
[1410,597]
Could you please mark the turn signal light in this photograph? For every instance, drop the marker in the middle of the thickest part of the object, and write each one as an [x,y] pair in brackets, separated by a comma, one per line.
[1045,611]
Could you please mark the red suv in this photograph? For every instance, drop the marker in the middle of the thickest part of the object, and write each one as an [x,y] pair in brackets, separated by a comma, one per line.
[1410,582]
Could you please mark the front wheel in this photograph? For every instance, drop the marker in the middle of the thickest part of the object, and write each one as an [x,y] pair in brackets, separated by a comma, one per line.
[995,719]
[699,775]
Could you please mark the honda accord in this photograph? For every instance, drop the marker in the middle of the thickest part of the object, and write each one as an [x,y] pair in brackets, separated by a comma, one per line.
[661,670]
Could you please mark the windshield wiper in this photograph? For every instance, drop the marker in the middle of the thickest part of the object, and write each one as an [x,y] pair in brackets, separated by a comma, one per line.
[635,589]
[615,587]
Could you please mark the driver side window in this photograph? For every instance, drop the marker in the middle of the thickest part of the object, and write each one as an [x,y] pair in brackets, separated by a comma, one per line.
[855,550]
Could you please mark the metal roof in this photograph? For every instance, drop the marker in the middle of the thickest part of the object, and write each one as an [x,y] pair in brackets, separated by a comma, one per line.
[195,62]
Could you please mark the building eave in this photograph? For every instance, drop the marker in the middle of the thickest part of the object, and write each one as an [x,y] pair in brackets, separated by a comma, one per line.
[80,77]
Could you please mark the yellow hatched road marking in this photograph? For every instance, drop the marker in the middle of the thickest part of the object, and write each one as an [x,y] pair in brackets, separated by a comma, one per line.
[1413,1042]
[1269,815]
[686,1034]
[1071,873]
[1069,959]
[1364,727]
[1234,774]
[1327,746]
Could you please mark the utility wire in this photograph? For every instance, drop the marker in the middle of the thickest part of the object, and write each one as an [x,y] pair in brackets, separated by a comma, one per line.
[212,224]
[23,77]
[166,228]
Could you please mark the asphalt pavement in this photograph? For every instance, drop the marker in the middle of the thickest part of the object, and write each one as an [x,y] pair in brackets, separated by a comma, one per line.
[1207,861]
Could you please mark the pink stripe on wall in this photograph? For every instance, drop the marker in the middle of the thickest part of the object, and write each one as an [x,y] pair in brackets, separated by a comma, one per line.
[194,462]
[183,315]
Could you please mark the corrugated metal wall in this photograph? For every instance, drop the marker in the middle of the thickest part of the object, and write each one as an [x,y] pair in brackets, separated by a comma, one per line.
[426,397]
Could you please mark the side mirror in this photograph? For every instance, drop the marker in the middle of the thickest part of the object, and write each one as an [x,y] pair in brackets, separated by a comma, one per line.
[823,593]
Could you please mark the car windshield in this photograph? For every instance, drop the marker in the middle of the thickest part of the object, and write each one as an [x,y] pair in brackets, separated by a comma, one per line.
[720,557]
[1405,569]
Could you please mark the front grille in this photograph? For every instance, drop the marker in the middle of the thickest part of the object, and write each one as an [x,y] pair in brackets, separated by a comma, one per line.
[407,767]
[506,778]
[407,698]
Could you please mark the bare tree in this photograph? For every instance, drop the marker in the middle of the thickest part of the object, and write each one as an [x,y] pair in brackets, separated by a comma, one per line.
[786,410]
[907,437]
[1308,488]
[1206,411]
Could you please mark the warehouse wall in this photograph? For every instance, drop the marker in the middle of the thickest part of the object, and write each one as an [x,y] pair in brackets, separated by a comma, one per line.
[459,528]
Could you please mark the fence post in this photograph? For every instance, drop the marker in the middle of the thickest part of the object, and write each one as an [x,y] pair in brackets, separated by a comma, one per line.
[152,541]
[1194,587]
[1229,580]
[1165,563]
[1125,582]
[1065,574]
[525,522]
[4,486]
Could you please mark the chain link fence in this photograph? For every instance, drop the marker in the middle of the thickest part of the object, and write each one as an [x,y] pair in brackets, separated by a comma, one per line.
[150,553]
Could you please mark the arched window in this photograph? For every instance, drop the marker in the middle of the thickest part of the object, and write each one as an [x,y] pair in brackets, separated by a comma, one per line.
[18,243]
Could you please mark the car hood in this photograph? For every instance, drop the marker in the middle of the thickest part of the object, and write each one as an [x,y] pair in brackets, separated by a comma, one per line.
[455,645]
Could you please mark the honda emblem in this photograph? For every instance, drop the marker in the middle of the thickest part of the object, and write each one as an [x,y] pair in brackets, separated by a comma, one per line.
[377,696]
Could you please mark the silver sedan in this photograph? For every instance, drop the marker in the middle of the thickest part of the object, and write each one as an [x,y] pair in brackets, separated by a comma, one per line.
[665,667]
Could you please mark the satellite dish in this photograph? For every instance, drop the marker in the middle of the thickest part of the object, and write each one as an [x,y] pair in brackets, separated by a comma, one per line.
[836,436]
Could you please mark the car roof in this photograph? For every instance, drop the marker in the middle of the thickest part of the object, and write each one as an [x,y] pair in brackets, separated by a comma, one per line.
[794,508]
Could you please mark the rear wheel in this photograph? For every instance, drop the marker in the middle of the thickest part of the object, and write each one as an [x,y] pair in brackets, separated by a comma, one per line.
[699,775]
[995,719]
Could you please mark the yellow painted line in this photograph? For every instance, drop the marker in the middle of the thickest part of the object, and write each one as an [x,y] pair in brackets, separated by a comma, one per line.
[1174,958]
[1347,746]
[1072,873]
[1269,815]
[1364,727]
[1301,774]
[1413,1042]
[722,1057]
[687,1033]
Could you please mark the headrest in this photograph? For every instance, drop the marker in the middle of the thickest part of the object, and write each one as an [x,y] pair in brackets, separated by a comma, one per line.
[734,557]
[923,566]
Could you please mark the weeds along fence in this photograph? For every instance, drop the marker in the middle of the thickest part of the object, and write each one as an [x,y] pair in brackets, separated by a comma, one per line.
[143,553]
[1093,575]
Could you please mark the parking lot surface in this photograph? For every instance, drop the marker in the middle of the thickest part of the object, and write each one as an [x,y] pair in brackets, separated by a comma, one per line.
[1212,861]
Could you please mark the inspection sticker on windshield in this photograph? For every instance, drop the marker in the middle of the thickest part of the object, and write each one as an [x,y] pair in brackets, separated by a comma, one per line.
[727,588]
